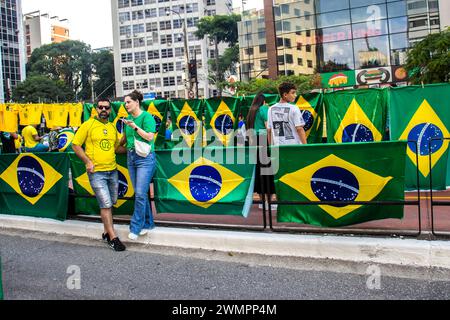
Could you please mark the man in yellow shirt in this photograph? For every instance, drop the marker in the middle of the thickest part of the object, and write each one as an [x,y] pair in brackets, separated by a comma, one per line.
[32,139]
[101,138]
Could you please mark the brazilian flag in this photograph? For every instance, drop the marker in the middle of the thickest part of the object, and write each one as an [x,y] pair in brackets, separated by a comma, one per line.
[246,102]
[120,113]
[421,115]
[82,187]
[222,117]
[35,185]
[186,118]
[65,138]
[356,115]
[158,109]
[340,172]
[311,108]
[89,111]
[210,181]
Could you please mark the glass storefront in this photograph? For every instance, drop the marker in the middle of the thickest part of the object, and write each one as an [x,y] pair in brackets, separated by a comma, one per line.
[334,35]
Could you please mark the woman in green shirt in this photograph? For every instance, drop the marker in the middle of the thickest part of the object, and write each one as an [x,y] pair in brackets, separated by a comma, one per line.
[140,126]
[257,132]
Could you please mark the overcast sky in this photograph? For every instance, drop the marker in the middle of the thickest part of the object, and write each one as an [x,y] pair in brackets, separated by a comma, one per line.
[90,20]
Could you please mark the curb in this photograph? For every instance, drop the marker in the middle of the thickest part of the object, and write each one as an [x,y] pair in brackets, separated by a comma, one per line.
[404,252]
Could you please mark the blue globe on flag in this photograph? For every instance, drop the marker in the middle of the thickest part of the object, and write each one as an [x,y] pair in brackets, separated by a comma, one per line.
[205,183]
[423,134]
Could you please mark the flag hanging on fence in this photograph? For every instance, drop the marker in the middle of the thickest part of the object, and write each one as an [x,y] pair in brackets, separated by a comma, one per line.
[205,185]
[356,172]
[222,116]
[311,108]
[186,118]
[355,115]
[421,116]
[30,182]
[82,188]
[158,109]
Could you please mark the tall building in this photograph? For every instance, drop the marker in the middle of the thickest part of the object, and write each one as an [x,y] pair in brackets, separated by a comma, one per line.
[41,29]
[154,40]
[366,38]
[12,49]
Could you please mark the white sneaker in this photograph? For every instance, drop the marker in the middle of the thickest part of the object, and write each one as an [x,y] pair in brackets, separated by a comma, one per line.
[143,232]
[132,236]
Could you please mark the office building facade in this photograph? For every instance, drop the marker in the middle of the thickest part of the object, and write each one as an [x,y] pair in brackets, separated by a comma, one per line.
[361,37]
[41,29]
[150,46]
[12,50]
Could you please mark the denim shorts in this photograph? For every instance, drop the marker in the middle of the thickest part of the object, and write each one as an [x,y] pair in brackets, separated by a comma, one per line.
[106,187]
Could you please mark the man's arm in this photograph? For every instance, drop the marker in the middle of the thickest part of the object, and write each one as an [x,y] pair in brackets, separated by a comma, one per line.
[82,155]
[302,134]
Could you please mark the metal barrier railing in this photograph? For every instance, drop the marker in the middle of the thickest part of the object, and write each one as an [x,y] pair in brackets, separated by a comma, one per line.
[267,211]
[434,203]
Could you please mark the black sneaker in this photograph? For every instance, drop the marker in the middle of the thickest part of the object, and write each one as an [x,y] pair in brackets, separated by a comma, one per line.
[105,237]
[116,245]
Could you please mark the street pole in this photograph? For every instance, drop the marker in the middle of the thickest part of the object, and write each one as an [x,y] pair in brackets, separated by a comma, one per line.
[2,92]
[186,53]
[217,65]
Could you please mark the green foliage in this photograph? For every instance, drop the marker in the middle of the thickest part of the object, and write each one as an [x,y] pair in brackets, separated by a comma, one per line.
[224,27]
[226,63]
[40,88]
[304,84]
[68,61]
[104,71]
[429,60]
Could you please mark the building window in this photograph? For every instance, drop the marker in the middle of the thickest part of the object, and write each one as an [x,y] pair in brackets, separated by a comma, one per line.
[128,85]
[166,53]
[127,57]
[168,81]
[142,84]
[262,48]
[166,67]
[310,63]
[153,54]
[126,44]
[154,68]
[300,61]
[140,70]
[127,71]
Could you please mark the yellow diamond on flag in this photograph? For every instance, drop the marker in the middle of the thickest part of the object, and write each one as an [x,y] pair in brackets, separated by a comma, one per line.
[334,179]
[308,113]
[125,186]
[203,183]
[118,123]
[156,115]
[356,126]
[94,113]
[31,177]
[188,124]
[222,123]
[424,126]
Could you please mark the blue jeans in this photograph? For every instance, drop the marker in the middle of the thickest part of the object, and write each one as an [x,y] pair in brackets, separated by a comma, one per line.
[106,187]
[141,172]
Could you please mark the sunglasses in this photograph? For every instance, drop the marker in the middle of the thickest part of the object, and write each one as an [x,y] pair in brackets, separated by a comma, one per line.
[103,108]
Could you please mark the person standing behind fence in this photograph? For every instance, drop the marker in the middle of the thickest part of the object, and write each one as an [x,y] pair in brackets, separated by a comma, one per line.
[140,126]
[257,132]
[101,138]
[285,122]
[32,140]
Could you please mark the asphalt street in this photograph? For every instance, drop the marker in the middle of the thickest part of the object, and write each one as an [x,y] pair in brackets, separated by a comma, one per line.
[39,266]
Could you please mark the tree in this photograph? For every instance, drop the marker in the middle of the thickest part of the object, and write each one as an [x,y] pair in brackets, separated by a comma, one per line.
[304,83]
[104,70]
[221,29]
[429,60]
[68,61]
[39,88]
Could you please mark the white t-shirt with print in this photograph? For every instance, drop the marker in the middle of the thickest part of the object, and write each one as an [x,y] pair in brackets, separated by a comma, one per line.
[283,119]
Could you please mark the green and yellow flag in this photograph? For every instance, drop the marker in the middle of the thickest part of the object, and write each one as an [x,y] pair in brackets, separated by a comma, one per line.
[186,118]
[120,114]
[158,109]
[222,117]
[65,138]
[30,182]
[311,108]
[355,115]
[421,116]
[338,172]
[83,188]
[205,183]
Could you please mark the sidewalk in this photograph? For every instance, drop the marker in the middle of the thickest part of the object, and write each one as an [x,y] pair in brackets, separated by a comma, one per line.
[410,252]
